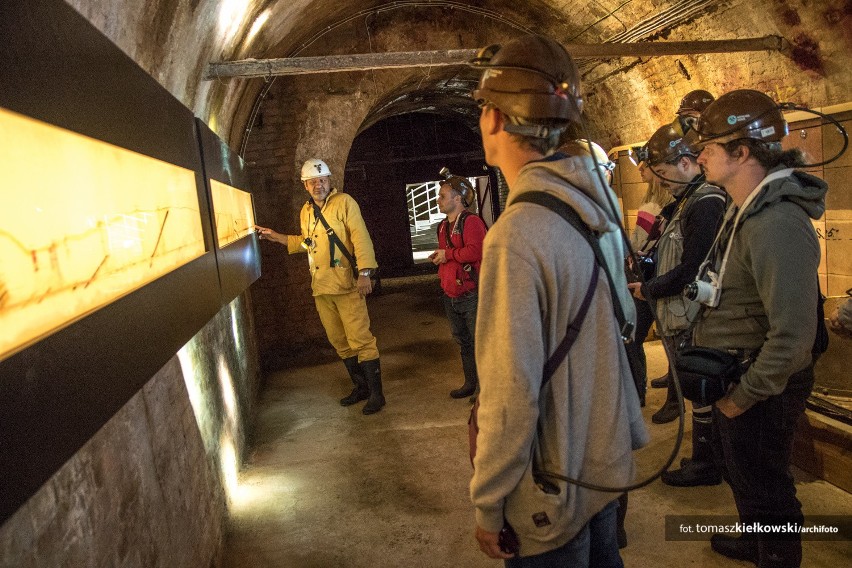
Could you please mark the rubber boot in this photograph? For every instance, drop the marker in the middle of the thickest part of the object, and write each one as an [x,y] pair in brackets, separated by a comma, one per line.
[660,382]
[736,547]
[373,372]
[670,410]
[464,391]
[361,391]
[700,469]
[621,533]
[471,379]
[779,553]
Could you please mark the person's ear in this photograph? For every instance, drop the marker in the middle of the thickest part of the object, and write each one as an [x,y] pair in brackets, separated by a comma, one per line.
[494,121]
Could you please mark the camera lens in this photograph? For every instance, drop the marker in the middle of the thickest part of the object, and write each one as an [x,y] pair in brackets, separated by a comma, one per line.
[691,291]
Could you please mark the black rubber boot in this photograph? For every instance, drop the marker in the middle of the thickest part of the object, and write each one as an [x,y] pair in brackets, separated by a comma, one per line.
[373,372]
[701,469]
[361,391]
[621,533]
[660,382]
[670,410]
[464,391]
[783,553]
[736,547]
[693,474]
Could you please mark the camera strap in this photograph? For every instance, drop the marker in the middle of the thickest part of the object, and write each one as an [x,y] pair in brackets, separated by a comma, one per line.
[334,240]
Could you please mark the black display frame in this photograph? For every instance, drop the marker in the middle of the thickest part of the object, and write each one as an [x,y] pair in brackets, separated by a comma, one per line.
[58,68]
[239,261]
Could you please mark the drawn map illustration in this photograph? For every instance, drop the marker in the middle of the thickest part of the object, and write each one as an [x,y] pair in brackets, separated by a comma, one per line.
[233,211]
[83,223]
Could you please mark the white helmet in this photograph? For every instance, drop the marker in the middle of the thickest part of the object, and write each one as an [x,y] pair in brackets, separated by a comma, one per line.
[314,168]
[587,148]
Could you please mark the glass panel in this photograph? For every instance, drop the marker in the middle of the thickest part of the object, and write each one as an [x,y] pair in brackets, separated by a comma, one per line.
[233,211]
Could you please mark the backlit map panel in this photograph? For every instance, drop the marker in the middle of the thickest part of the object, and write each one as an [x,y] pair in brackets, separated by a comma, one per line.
[233,211]
[83,223]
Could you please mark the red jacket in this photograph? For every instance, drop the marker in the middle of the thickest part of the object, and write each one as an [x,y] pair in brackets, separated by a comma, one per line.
[455,281]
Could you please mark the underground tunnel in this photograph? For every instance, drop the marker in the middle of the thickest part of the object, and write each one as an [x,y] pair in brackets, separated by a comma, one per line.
[169,396]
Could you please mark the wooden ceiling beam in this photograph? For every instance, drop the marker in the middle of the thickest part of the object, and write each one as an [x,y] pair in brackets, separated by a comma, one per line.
[253,68]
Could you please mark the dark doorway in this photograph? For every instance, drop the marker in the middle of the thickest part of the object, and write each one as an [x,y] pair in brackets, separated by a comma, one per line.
[394,153]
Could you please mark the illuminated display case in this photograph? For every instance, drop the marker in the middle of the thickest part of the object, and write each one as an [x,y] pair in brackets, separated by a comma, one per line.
[89,223]
[233,213]
[109,260]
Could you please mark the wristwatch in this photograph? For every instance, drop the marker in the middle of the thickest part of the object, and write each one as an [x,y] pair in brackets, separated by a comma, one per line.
[368,272]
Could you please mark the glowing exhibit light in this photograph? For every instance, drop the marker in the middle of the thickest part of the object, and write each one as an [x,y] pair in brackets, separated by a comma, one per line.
[83,223]
[233,211]
[189,367]
[235,327]
[229,465]
[217,432]
[229,396]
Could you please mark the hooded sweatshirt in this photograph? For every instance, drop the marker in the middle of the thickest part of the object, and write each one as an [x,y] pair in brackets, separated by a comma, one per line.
[770,285]
[586,421]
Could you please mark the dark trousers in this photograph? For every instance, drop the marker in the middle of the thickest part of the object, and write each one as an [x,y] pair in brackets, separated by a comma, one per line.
[644,319]
[461,312]
[755,450]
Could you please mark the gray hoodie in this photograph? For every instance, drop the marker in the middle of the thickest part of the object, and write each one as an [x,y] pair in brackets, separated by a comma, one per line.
[770,286]
[586,421]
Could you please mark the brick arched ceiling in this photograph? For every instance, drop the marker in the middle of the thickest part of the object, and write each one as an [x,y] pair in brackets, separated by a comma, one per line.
[326,28]
[175,40]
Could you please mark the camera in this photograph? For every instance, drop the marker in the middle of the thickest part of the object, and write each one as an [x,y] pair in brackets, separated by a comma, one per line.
[644,265]
[704,292]
[308,243]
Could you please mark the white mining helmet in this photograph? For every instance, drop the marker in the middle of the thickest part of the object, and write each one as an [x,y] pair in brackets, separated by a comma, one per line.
[314,168]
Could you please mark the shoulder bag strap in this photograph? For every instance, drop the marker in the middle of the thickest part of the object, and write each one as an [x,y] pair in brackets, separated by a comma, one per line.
[334,240]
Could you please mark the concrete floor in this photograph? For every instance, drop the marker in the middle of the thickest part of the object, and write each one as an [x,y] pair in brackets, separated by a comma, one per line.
[326,486]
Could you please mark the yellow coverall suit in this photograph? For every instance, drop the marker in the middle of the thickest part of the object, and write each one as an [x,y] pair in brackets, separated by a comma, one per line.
[342,310]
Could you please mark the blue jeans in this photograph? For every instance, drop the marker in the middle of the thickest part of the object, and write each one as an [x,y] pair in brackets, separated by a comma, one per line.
[461,312]
[595,546]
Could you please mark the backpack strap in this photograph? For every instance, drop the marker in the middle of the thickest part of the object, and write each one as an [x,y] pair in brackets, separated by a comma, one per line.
[334,240]
[448,232]
[573,331]
[566,212]
[466,267]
